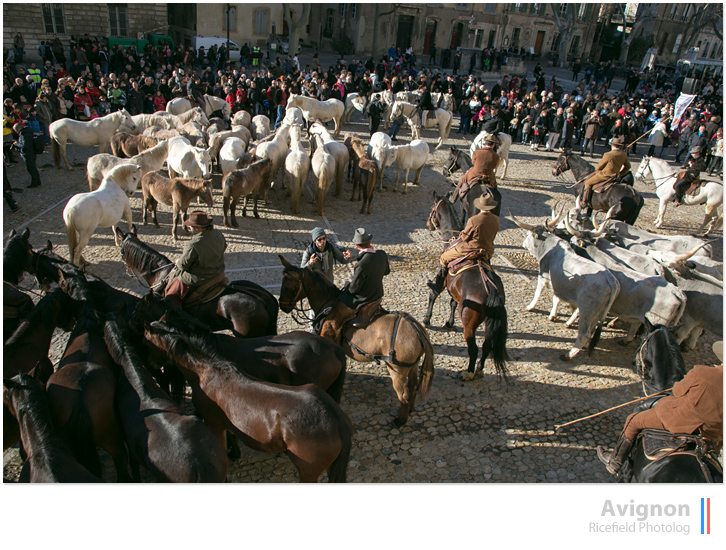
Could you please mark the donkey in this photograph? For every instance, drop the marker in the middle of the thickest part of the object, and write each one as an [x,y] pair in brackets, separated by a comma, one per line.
[244,182]
[175,192]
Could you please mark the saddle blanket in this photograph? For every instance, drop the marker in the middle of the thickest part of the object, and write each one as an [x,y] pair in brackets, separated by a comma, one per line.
[206,292]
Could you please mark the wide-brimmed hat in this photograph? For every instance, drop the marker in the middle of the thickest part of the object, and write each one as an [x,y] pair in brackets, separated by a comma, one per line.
[362,236]
[198,219]
[491,138]
[486,202]
[718,350]
[696,149]
[618,141]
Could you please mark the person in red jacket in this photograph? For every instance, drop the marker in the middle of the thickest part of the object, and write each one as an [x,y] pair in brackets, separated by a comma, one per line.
[83,103]
[93,92]
[159,101]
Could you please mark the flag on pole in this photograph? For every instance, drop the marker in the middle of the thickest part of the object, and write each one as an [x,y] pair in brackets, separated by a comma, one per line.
[682,103]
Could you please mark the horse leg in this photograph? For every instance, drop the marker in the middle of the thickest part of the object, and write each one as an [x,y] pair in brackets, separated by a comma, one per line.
[430,308]
[176,214]
[405,181]
[555,305]
[452,312]
[78,258]
[398,177]
[244,206]
[232,208]
[572,319]
[632,331]
[402,391]
[225,210]
[711,211]
[469,323]
[257,197]
[63,154]
[417,176]
[661,212]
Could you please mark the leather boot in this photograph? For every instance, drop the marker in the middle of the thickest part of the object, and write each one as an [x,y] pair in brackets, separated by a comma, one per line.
[614,460]
[437,286]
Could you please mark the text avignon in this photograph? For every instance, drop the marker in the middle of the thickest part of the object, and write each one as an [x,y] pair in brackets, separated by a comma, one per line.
[643,511]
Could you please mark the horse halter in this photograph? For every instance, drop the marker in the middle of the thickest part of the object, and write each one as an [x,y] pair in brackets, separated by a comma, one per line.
[449,168]
[563,165]
[431,221]
[298,313]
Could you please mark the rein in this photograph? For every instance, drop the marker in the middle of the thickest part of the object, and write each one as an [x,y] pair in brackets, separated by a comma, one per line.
[657,185]
[141,276]
[299,313]
[16,287]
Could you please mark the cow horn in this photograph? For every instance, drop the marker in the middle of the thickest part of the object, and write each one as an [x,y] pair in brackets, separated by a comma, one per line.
[594,220]
[523,225]
[556,218]
[680,260]
[572,231]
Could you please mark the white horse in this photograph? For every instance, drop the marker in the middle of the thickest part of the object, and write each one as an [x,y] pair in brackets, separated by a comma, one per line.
[665,176]
[447,101]
[232,155]
[104,207]
[194,115]
[211,105]
[95,132]
[379,149]
[186,161]
[217,140]
[195,133]
[323,164]
[332,109]
[242,118]
[411,156]
[443,120]
[353,102]
[99,166]
[144,121]
[275,150]
[505,142]
[260,127]
[337,149]
[297,168]
[294,117]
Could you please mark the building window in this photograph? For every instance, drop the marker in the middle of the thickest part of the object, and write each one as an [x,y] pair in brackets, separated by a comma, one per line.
[232,19]
[583,11]
[555,42]
[704,50]
[686,13]
[54,18]
[118,17]
[262,22]
[518,8]
[462,6]
[491,7]
[353,10]
[329,22]
[574,45]
[674,11]
[677,43]
[342,10]
[515,37]
[563,10]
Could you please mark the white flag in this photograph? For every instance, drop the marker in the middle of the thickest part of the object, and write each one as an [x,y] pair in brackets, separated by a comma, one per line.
[682,103]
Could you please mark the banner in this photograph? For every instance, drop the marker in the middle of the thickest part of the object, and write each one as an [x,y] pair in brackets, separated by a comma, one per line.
[682,103]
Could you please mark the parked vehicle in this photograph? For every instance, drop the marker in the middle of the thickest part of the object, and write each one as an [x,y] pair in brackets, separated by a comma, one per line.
[209,41]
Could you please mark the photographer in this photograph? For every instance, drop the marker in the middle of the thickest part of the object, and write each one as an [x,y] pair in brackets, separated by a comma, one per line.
[321,255]
[592,123]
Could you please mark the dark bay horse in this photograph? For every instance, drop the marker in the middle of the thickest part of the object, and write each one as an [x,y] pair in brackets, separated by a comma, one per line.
[619,202]
[245,308]
[479,301]
[16,260]
[460,160]
[49,460]
[660,365]
[173,446]
[396,339]
[303,421]
[292,359]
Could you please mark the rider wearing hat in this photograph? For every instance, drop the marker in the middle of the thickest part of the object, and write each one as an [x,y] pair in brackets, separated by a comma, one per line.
[695,406]
[475,241]
[201,260]
[694,165]
[485,161]
[492,122]
[614,164]
[365,287]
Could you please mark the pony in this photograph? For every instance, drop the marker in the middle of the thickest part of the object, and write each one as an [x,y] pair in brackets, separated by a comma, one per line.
[337,149]
[711,192]
[367,177]
[276,150]
[104,207]
[195,133]
[379,149]
[242,118]
[49,459]
[212,104]
[193,115]
[412,156]
[396,339]
[187,161]
[619,202]
[17,258]
[324,168]
[303,421]
[95,132]
[294,117]
[245,308]
[297,168]
[124,145]
[353,102]
[260,127]
[332,109]
[159,118]
[505,142]
[176,192]
[217,140]
[98,166]
[480,297]
[216,125]
[356,150]
[443,120]
[245,182]
[173,446]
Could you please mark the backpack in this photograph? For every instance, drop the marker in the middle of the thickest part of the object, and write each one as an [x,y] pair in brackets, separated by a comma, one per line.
[38,144]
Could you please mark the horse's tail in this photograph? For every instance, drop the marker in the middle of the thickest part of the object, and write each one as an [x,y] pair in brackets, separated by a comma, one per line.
[335,390]
[56,152]
[337,473]
[635,212]
[79,432]
[496,326]
[426,370]
[69,219]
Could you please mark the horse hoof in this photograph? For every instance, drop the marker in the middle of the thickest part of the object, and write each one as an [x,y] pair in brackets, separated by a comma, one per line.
[466,376]
[427,322]
[399,423]
[448,326]
[564,357]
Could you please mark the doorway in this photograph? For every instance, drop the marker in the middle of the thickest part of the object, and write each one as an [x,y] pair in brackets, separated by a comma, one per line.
[492,36]
[456,35]
[430,37]
[405,31]
[538,42]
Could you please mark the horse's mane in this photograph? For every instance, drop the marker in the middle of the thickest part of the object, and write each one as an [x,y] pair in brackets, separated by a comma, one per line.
[121,171]
[159,150]
[452,213]
[15,257]
[672,349]
[139,255]
[37,410]
[195,184]
[580,162]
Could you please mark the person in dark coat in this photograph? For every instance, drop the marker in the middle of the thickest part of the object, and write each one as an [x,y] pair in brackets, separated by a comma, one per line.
[694,166]
[365,287]
[321,254]
[375,110]
[684,138]
[27,152]
[696,406]
[493,122]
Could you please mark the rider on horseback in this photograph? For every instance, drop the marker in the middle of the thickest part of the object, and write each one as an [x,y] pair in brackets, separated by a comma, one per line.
[696,405]
[694,165]
[614,163]
[476,241]
[365,288]
[485,161]
[202,259]
[492,122]
[425,104]
[195,91]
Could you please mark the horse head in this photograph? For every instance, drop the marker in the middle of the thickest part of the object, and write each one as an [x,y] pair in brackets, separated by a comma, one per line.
[644,165]
[451,165]
[291,101]
[562,165]
[205,192]
[126,120]
[17,255]
[126,176]
[204,160]
[293,288]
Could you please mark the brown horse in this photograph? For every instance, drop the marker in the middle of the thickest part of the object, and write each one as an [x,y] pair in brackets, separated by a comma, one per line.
[356,151]
[17,256]
[293,359]
[244,182]
[368,170]
[49,460]
[125,145]
[173,446]
[302,421]
[175,192]
[480,298]
[245,308]
[394,338]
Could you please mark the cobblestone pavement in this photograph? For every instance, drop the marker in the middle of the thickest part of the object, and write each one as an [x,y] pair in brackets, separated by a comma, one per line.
[466,432]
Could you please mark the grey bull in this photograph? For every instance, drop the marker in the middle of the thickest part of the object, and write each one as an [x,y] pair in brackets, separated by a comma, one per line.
[641,241]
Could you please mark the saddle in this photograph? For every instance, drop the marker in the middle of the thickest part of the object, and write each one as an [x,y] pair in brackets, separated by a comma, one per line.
[430,115]
[659,444]
[695,184]
[206,292]
[367,313]
[604,186]
[467,186]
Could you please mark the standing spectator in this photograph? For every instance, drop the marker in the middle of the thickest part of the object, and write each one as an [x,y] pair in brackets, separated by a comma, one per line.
[716,148]
[27,151]
[558,122]
[116,97]
[44,116]
[432,56]
[82,103]
[465,114]
[159,101]
[8,190]
[135,99]
[657,138]
[568,131]
[457,61]
[684,138]
[375,110]
[592,124]
[576,69]
[19,45]
[472,63]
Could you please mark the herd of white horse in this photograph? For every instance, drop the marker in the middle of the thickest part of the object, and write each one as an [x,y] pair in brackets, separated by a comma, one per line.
[190,139]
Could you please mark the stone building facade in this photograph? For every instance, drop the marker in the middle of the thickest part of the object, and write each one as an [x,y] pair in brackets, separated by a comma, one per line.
[39,22]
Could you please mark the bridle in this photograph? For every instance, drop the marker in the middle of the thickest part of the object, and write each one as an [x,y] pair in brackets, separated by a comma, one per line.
[450,168]
[141,277]
[298,312]
[641,177]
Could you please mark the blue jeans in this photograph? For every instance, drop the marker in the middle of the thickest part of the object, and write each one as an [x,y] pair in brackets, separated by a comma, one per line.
[46,133]
[395,127]
[464,124]
[280,115]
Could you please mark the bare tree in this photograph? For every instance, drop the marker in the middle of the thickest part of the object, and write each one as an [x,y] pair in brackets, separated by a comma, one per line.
[376,19]
[295,27]
[648,13]
[566,29]
[703,15]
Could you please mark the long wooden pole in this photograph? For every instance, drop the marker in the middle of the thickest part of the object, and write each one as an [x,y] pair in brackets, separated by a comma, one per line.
[559,426]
